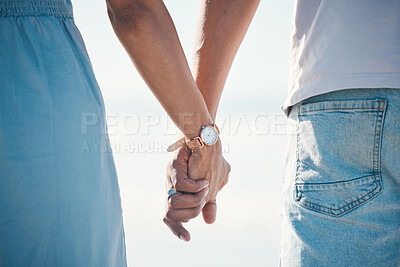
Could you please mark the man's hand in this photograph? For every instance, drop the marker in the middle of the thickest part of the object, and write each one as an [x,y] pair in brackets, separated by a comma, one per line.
[181,207]
[194,195]
[209,164]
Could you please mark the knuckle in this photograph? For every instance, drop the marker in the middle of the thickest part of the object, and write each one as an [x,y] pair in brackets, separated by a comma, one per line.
[172,166]
[179,186]
[228,168]
[165,220]
[172,203]
[196,211]
[174,163]
[226,180]
[169,216]
[196,199]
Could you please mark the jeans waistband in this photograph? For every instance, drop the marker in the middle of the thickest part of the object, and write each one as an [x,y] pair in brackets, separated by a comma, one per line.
[20,8]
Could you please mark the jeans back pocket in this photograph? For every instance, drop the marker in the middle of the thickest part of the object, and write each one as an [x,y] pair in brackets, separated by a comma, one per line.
[338,154]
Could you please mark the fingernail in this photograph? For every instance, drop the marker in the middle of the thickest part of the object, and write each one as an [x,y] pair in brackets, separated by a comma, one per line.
[184,238]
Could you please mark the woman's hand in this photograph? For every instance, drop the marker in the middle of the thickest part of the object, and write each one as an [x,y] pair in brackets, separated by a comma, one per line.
[195,194]
[181,207]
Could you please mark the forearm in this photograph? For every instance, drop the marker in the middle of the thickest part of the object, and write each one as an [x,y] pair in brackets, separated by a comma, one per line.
[221,27]
[147,33]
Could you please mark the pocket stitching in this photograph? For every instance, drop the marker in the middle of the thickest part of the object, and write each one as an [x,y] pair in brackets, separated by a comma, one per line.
[329,185]
[333,109]
[345,208]
[376,159]
[381,105]
[378,138]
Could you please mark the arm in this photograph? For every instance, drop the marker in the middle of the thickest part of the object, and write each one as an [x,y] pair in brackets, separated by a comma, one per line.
[147,33]
[221,27]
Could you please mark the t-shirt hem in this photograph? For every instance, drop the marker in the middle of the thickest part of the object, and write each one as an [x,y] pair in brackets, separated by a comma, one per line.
[318,88]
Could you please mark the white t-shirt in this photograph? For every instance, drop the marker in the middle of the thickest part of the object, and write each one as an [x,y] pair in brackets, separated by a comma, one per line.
[343,44]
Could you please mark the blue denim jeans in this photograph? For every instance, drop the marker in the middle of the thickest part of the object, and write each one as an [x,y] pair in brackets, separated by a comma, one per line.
[341,192]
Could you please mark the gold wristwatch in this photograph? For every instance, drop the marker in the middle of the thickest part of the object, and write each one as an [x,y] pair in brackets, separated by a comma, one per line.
[208,137]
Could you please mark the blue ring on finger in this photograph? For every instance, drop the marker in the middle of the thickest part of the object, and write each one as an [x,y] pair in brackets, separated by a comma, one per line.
[171,192]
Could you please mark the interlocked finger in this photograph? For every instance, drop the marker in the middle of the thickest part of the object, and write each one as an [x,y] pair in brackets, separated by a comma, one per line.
[183,214]
[187,200]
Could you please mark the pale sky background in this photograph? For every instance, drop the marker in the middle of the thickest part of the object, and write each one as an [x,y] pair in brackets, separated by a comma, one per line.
[247,229]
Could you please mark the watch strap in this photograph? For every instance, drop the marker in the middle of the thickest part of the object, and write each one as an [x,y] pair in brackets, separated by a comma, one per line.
[194,143]
[215,127]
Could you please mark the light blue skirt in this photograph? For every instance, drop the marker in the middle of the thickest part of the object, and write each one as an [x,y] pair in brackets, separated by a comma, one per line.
[59,198]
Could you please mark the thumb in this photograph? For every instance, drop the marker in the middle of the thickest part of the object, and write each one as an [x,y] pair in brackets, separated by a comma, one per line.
[210,211]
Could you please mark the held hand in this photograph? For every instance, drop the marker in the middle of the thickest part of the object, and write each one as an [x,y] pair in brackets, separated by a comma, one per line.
[209,164]
[206,162]
[181,207]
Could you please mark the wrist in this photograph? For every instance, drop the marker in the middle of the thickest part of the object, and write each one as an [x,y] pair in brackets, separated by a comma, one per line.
[208,150]
[191,124]
[208,136]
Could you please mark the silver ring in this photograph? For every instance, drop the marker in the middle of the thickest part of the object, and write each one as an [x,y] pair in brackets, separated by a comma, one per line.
[171,192]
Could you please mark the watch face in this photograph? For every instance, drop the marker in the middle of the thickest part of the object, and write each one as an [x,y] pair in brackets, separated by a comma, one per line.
[209,135]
